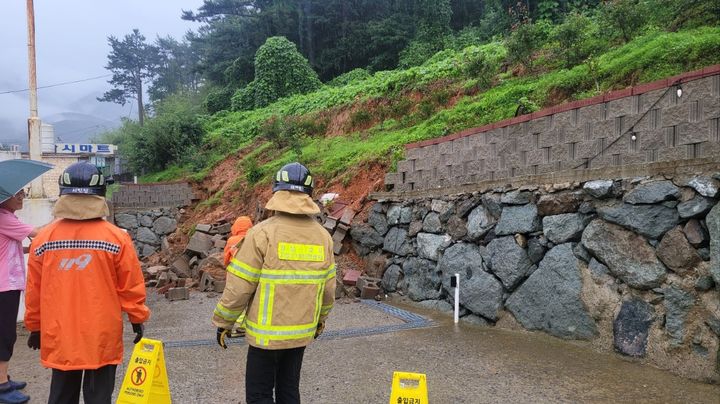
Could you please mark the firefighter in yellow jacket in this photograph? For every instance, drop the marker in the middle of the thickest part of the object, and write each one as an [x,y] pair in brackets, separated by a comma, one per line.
[284,275]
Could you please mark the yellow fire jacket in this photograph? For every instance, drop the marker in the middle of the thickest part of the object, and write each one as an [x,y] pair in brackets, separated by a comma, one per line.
[283,274]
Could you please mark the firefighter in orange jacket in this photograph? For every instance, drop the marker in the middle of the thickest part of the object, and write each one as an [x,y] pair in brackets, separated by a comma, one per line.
[284,276]
[83,272]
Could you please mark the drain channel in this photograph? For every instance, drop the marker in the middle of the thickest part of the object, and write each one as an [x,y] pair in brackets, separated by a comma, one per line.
[411,321]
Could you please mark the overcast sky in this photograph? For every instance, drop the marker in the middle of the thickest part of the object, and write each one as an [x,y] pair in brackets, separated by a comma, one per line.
[71,44]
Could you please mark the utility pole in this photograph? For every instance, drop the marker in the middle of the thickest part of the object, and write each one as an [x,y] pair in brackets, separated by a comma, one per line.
[34,142]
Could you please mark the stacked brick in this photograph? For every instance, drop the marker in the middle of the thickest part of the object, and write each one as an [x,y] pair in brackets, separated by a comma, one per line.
[672,119]
[153,195]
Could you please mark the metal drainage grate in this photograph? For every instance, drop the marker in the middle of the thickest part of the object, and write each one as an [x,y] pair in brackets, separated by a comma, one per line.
[411,321]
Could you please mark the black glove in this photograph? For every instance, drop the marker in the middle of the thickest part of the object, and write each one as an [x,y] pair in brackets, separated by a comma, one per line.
[139,330]
[34,340]
[320,329]
[221,334]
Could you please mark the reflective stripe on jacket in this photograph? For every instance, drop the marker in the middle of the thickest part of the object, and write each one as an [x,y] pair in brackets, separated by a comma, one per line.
[284,274]
[82,275]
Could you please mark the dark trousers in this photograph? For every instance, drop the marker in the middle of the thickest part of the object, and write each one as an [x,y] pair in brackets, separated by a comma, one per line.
[9,304]
[97,386]
[267,369]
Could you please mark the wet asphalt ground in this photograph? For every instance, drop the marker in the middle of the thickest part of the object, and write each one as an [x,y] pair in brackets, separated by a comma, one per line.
[365,342]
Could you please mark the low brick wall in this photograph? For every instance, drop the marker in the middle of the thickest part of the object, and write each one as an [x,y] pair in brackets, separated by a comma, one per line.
[592,133]
[153,195]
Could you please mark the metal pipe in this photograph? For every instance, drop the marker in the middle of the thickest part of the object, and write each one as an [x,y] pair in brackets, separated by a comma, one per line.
[457,298]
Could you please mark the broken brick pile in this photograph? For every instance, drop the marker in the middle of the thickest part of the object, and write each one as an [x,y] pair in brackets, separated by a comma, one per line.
[200,265]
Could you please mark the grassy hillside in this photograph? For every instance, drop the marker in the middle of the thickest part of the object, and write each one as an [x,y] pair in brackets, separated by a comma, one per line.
[369,118]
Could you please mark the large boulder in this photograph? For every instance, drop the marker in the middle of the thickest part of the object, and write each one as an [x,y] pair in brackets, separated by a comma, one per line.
[126,221]
[649,220]
[480,292]
[509,261]
[653,192]
[430,245]
[550,299]
[713,224]
[602,189]
[676,252]
[556,204]
[479,222]
[399,215]
[456,227]
[677,306]
[396,242]
[164,225]
[518,219]
[627,255]
[145,235]
[422,279]
[366,236]
[705,186]
[517,198]
[431,223]
[379,222]
[697,207]
[564,227]
[632,326]
[391,277]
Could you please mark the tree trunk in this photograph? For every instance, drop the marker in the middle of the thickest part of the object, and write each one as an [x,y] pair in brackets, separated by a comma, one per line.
[141,107]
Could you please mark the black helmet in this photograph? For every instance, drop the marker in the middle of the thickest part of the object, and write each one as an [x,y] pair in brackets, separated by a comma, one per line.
[82,178]
[294,177]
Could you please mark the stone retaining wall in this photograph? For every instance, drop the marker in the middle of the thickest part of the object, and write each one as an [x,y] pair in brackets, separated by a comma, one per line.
[644,124]
[631,265]
[148,227]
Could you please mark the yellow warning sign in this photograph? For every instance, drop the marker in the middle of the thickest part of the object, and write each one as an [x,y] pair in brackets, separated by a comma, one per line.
[408,388]
[146,376]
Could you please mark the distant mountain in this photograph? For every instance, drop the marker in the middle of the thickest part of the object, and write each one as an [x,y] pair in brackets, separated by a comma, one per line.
[72,127]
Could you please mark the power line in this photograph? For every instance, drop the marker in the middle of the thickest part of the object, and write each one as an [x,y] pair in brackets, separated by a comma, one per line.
[57,84]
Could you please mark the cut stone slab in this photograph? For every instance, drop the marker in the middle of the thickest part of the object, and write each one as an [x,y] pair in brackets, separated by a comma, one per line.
[199,244]
[205,228]
[181,266]
[177,294]
[224,228]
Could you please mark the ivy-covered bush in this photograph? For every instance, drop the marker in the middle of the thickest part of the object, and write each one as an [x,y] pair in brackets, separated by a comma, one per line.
[353,75]
[218,99]
[280,71]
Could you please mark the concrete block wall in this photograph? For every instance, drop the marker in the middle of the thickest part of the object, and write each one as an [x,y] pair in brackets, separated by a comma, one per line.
[591,133]
[153,195]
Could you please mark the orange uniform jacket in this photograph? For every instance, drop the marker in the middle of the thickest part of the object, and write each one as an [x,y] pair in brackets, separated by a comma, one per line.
[238,230]
[81,276]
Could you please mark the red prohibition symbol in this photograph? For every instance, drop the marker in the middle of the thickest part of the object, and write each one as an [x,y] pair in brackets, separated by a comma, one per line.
[138,375]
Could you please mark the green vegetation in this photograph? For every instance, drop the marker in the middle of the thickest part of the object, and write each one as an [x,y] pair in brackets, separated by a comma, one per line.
[459,73]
